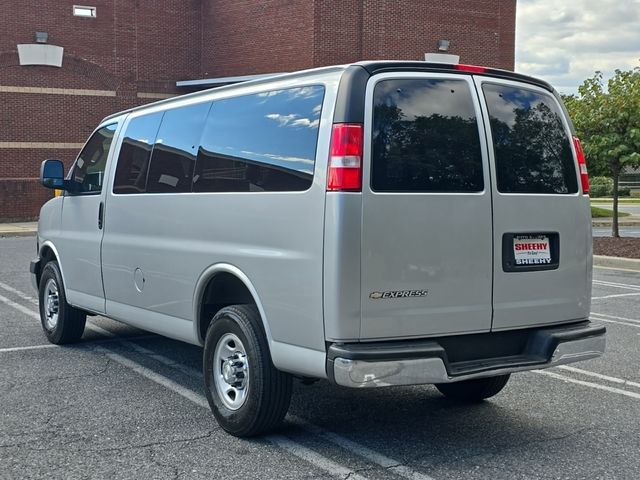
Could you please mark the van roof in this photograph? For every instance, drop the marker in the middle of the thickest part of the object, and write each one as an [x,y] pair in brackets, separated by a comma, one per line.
[372,67]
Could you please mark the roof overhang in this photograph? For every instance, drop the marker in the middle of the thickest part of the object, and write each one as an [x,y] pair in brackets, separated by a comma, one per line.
[220,81]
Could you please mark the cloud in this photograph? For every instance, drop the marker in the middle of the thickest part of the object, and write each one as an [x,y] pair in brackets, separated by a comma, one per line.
[566,42]
[283,120]
[292,120]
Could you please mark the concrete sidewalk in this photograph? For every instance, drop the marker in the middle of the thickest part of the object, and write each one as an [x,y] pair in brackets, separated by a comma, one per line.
[24,229]
[18,229]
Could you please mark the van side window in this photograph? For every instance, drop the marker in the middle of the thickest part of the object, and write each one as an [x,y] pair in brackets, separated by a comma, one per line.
[175,149]
[88,171]
[262,142]
[425,137]
[532,148]
[133,161]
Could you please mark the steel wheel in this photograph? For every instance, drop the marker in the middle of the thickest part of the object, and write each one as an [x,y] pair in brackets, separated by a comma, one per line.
[231,371]
[51,304]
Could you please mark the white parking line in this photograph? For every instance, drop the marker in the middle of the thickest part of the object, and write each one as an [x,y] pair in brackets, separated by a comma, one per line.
[20,308]
[597,386]
[615,322]
[31,347]
[620,381]
[314,458]
[624,286]
[617,318]
[20,294]
[296,449]
[292,447]
[616,296]
[371,455]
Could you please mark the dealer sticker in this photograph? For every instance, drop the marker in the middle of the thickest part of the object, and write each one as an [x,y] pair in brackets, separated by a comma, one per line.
[531,250]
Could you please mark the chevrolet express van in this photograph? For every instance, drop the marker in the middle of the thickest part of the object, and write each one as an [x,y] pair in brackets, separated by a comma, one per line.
[374,224]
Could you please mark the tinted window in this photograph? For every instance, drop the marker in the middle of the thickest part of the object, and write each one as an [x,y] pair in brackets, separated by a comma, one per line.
[88,171]
[262,142]
[532,149]
[425,137]
[133,161]
[175,149]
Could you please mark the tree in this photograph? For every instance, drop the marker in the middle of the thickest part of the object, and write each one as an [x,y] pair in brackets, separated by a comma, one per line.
[608,124]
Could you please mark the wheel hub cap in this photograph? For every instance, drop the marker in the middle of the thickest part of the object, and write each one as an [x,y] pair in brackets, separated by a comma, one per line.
[231,371]
[51,304]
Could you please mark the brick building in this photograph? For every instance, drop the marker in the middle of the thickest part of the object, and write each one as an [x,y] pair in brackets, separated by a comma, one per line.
[121,53]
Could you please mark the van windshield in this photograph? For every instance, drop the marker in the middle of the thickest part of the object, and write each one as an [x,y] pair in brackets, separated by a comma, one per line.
[531,145]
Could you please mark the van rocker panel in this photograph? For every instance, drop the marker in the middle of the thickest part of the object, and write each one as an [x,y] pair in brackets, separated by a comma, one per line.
[462,357]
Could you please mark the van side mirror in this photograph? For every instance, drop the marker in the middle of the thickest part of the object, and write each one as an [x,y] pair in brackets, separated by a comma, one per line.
[52,174]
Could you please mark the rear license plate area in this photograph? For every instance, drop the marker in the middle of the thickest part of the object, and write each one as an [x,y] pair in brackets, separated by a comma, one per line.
[530,251]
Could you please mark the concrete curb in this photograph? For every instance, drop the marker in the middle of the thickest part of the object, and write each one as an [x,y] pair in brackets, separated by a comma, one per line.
[601,223]
[616,262]
[18,232]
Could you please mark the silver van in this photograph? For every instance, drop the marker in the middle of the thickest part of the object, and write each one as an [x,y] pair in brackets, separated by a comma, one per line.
[374,224]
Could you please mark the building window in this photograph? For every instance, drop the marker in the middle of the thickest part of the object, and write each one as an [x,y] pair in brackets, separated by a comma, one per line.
[82,11]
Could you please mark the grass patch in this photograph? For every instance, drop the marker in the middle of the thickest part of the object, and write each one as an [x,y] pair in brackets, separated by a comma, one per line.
[597,212]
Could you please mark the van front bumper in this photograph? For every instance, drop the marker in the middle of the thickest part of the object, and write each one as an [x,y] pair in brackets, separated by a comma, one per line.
[463,357]
[34,269]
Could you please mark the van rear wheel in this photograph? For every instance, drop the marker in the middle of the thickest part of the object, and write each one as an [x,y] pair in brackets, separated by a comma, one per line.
[246,393]
[474,390]
[60,321]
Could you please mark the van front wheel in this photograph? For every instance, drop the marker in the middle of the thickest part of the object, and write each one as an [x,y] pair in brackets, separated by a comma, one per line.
[60,321]
[246,393]
[474,390]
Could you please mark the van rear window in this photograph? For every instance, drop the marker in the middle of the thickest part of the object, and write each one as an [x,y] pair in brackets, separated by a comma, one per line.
[425,137]
[265,142]
[532,148]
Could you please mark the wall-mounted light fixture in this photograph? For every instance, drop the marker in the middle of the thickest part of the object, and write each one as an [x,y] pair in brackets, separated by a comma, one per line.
[42,37]
[443,45]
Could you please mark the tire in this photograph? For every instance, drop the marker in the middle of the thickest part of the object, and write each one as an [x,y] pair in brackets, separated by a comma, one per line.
[60,321]
[247,394]
[473,390]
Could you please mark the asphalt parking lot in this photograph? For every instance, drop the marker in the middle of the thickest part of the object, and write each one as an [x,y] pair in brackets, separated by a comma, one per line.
[126,404]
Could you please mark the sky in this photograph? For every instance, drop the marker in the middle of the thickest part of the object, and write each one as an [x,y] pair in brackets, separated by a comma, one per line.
[566,41]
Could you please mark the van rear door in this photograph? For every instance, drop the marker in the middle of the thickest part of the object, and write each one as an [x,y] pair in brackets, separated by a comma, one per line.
[427,232]
[542,222]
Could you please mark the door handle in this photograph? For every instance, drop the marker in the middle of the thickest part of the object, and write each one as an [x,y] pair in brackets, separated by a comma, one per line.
[100,215]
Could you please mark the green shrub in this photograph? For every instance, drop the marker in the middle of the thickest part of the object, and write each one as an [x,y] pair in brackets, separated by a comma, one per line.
[624,192]
[600,186]
[599,191]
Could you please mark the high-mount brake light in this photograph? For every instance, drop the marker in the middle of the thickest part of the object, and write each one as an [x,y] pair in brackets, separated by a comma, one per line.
[470,68]
[582,165]
[345,158]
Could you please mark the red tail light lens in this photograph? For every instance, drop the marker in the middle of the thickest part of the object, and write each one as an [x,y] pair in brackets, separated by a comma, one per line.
[470,68]
[345,158]
[582,165]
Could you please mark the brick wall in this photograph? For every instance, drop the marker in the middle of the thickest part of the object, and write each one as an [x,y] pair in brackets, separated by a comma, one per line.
[138,47]
[243,37]
[131,48]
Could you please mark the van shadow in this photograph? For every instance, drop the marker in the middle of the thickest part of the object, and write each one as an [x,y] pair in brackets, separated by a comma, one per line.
[418,424]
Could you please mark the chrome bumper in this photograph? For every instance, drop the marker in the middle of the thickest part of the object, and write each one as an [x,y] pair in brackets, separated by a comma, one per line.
[546,348]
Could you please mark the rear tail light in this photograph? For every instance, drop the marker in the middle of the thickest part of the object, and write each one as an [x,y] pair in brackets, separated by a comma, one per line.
[582,165]
[345,158]
[470,68]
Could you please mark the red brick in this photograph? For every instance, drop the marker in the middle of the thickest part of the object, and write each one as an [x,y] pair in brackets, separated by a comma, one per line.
[147,45]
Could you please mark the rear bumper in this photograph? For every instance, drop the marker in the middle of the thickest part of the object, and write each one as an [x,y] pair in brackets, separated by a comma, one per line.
[379,364]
